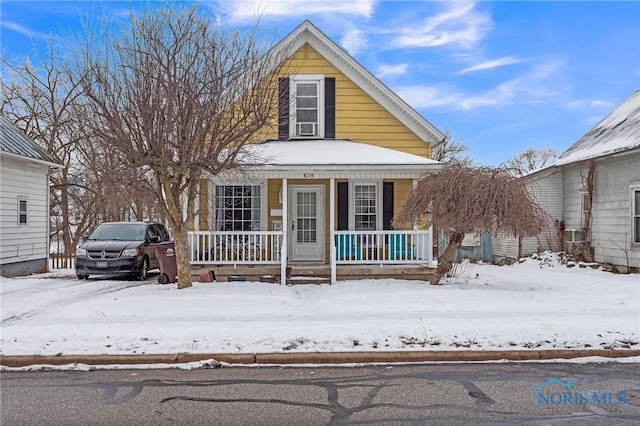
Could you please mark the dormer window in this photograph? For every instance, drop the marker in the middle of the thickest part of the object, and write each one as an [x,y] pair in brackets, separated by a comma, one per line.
[306,110]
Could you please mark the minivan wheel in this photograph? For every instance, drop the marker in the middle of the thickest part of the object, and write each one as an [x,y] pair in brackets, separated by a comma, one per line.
[144,272]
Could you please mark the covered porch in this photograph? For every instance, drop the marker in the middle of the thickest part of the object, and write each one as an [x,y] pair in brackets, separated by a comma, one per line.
[259,255]
[327,205]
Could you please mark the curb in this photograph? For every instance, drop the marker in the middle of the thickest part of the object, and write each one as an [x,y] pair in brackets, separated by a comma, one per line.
[315,357]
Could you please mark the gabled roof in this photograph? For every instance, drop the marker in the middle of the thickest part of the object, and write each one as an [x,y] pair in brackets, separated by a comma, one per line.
[16,144]
[308,33]
[617,132]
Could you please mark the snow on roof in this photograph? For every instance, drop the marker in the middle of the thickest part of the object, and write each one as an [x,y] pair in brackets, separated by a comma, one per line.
[330,152]
[617,132]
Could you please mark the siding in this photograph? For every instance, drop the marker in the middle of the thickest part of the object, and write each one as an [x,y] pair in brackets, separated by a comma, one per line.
[548,191]
[23,243]
[547,188]
[611,210]
[358,116]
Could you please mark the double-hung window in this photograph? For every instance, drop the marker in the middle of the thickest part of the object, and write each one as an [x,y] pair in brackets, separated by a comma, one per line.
[306,113]
[585,209]
[23,211]
[237,207]
[635,214]
[365,206]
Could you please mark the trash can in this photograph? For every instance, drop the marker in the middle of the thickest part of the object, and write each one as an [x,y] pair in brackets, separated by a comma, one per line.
[168,266]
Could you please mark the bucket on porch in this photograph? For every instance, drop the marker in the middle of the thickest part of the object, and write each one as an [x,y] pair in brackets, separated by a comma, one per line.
[208,277]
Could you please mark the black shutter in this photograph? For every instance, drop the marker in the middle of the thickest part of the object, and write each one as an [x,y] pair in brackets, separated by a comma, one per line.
[330,108]
[283,109]
[387,205]
[343,206]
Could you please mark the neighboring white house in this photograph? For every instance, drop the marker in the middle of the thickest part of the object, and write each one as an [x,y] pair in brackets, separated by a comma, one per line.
[24,203]
[598,181]
[607,217]
[546,185]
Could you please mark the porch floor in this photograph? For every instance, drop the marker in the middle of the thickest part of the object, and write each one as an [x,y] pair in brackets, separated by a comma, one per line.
[308,273]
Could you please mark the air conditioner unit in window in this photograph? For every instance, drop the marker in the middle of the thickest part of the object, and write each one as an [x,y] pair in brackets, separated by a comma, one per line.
[307,129]
[576,241]
[575,235]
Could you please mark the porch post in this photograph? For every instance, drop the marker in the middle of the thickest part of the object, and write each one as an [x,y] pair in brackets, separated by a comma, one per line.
[332,228]
[196,218]
[285,233]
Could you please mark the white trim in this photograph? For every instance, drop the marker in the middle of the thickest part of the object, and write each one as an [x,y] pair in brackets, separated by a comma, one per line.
[320,218]
[21,198]
[264,210]
[293,121]
[338,57]
[582,210]
[633,188]
[352,201]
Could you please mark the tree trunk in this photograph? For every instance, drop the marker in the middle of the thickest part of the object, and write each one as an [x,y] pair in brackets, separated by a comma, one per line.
[181,244]
[445,263]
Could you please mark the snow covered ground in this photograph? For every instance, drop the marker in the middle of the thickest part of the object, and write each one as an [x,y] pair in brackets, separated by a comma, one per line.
[539,303]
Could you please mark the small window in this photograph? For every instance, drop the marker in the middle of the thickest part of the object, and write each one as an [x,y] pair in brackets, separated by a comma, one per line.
[307,107]
[23,211]
[635,216]
[366,207]
[585,207]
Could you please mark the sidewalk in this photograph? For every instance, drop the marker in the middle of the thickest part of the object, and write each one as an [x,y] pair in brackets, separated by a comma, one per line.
[317,357]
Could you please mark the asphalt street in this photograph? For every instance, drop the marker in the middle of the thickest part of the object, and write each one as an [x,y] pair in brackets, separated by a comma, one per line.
[442,394]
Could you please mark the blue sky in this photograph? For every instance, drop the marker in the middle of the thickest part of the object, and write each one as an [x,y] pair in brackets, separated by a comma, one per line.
[502,76]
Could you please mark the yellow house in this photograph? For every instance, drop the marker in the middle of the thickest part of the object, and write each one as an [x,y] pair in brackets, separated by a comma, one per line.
[341,161]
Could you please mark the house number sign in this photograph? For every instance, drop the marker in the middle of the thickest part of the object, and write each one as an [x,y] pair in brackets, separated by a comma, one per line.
[308,175]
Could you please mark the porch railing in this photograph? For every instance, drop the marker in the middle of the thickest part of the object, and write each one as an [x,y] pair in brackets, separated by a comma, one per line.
[351,247]
[234,248]
[383,247]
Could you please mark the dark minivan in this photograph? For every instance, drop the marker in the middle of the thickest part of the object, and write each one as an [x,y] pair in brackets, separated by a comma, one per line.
[121,248]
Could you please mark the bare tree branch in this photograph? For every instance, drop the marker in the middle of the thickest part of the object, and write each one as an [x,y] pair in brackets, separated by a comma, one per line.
[462,199]
[175,97]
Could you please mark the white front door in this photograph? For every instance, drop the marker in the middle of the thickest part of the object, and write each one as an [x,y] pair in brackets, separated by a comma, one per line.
[306,223]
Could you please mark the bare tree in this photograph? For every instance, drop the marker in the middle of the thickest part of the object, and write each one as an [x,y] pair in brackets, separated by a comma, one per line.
[40,99]
[177,97]
[450,151]
[462,199]
[532,159]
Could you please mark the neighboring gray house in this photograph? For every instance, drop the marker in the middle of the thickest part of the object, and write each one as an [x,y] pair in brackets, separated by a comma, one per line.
[598,181]
[546,185]
[24,203]
[608,217]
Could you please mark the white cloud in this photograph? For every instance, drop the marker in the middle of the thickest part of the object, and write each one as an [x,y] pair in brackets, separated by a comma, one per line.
[495,63]
[598,102]
[250,9]
[528,88]
[460,25]
[353,41]
[386,70]
[22,30]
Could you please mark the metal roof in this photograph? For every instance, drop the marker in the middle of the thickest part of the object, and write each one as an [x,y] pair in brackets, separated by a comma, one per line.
[14,141]
[617,132]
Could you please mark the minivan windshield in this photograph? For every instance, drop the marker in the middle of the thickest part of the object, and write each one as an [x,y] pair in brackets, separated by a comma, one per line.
[119,232]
